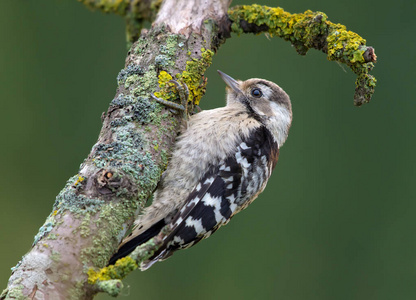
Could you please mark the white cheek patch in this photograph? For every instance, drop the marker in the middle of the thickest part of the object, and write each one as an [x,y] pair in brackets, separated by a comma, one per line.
[280,112]
[280,123]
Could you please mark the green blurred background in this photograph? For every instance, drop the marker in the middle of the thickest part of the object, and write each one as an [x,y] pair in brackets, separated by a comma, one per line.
[337,220]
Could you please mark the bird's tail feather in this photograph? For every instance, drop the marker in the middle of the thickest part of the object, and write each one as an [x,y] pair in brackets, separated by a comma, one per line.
[128,247]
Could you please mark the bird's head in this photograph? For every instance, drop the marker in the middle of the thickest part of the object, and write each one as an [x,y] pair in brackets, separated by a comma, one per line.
[264,100]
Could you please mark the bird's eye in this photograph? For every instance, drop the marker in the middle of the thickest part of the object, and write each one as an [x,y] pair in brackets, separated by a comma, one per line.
[256,93]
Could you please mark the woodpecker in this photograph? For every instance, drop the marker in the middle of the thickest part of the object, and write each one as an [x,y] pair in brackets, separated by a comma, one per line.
[219,165]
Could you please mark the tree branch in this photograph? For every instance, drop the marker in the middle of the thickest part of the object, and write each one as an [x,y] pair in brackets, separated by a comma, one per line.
[312,30]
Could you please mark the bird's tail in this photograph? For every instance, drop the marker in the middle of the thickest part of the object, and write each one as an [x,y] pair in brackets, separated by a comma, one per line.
[132,242]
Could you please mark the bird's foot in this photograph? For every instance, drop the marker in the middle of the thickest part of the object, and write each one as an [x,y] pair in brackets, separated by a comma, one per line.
[183,92]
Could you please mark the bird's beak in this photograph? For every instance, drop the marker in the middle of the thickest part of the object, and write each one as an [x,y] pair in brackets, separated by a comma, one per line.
[231,82]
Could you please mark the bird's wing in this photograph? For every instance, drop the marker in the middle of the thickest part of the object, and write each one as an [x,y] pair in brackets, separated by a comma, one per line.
[210,205]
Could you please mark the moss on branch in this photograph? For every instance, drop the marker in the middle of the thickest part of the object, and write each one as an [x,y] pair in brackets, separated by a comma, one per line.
[312,30]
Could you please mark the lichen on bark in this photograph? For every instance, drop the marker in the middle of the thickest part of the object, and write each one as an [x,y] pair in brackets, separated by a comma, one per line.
[312,30]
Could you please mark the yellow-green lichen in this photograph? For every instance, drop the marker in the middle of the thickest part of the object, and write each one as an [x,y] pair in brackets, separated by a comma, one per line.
[164,157]
[111,287]
[167,89]
[163,79]
[111,220]
[142,84]
[130,80]
[76,292]
[76,203]
[303,29]
[16,292]
[166,59]
[4,293]
[85,227]
[125,265]
[344,44]
[79,180]
[310,30]
[119,270]
[297,28]
[131,69]
[193,76]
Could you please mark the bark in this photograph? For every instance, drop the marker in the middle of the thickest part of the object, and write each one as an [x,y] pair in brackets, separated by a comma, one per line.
[94,210]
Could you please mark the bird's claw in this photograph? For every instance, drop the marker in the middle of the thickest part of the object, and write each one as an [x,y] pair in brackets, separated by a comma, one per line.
[183,92]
